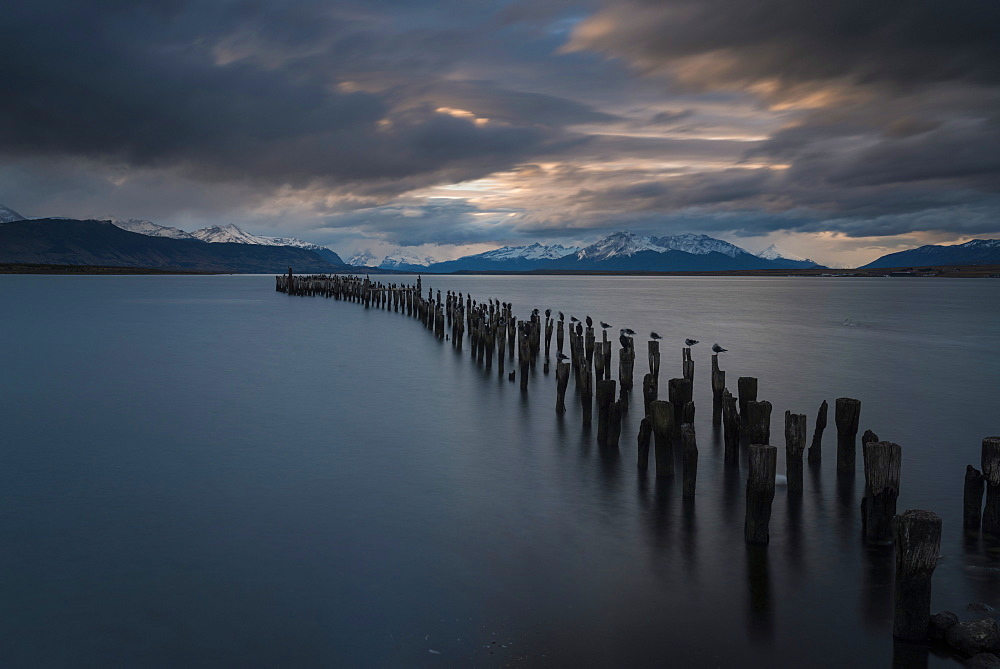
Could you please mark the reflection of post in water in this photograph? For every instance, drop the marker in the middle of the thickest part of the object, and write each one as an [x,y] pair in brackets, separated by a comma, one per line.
[909,654]
[662,497]
[689,537]
[845,505]
[876,587]
[794,541]
[760,617]
[731,491]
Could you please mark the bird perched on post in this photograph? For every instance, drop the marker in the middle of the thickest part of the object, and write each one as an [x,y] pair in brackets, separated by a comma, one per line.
[630,332]
[690,342]
[561,317]
[654,336]
[561,357]
[605,325]
[573,319]
[718,349]
[590,322]
[579,329]
[625,341]
[548,313]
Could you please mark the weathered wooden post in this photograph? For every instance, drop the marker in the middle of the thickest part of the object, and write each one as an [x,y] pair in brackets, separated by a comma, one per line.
[758,421]
[524,374]
[607,358]
[878,507]
[615,422]
[991,472]
[731,425]
[562,380]
[760,493]
[679,393]
[588,344]
[816,448]
[645,430]
[918,542]
[746,386]
[689,459]
[654,358]
[560,336]
[687,365]
[648,391]
[662,415]
[626,362]
[548,333]
[972,511]
[718,387]
[605,398]
[847,415]
[586,394]
[795,444]
[599,362]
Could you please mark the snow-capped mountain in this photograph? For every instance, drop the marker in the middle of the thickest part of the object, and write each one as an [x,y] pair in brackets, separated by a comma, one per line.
[147,228]
[363,258]
[617,245]
[404,260]
[233,234]
[772,252]
[535,251]
[697,244]
[506,259]
[8,215]
[975,252]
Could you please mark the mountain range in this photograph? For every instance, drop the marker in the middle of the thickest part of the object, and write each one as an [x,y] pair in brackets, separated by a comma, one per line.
[975,252]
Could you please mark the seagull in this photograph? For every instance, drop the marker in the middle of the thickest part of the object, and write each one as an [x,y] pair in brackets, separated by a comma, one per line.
[629,331]
[605,325]
[654,336]
[690,342]
[718,349]
[590,322]
[573,319]
[561,357]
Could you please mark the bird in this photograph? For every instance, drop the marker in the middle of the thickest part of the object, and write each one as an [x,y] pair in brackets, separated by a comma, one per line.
[548,313]
[561,317]
[590,322]
[718,349]
[690,342]
[573,319]
[629,331]
[625,341]
[605,325]
[654,336]
[579,329]
[561,356]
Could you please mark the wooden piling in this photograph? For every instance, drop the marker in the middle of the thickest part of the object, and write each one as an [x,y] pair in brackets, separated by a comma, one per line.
[991,473]
[662,415]
[615,413]
[689,459]
[918,543]
[816,448]
[586,395]
[882,465]
[562,381]
[760,493]
[605,398]
[731,425]
[687,365]
[679,393]
[972,507]
[654,358]
[718,387]
[648,391]
[758,421]
[795,444]
[524,374]
[645,430]
[847,415]
[746,386]
[626,362]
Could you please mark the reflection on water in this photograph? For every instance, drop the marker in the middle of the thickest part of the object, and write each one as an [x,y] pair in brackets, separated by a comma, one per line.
[200,470]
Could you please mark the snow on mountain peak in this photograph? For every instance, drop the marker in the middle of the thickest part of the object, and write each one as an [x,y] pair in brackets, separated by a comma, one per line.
[363,258]
[772,252]
[403,257]
[625,243]
[8,215]
[147,228]
[535,251]
[698,245]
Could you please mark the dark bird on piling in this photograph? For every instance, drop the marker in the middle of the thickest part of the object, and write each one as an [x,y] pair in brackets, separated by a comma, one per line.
[561,317]
[561,357]
[579,329]
[573,319]
[654,336]
[548,313]
[629,331]
[605,325]
[626,343]
[690,342]
[718,349]
[590,322]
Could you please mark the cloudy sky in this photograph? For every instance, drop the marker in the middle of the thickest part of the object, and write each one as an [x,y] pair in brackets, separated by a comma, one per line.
[840,130]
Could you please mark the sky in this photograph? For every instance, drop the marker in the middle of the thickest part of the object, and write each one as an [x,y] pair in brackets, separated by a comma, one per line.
[838,130]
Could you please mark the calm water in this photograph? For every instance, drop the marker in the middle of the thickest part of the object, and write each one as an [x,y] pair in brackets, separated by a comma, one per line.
[198,471]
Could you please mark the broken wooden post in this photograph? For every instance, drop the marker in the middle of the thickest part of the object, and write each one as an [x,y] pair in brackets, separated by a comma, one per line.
[645,430]
[972,511]
[918,542]
[662,414]
[605,397]
[648,391]
[626,361]
[679,393]
[562,380]
[758,421]
[654,358]
[718,387]
[746,387]
[615,422]
[795,444]
[882,464]
[816,448]
[560,336]
[760,493]
[991,473]
[687,365]
[586,394]
[731,425]
[847,414]
[689,459]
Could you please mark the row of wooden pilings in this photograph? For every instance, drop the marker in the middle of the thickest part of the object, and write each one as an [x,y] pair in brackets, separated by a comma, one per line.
[494,331]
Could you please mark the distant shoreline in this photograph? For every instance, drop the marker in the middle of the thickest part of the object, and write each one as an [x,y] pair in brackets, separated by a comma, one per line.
[948,271]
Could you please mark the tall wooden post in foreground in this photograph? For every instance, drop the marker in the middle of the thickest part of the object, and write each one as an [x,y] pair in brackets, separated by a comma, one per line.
[882,464]
[760,493]
[816,448]
[972,512]
[662,415]
[847,414]
[795,444]
[991,472]
[918,542]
